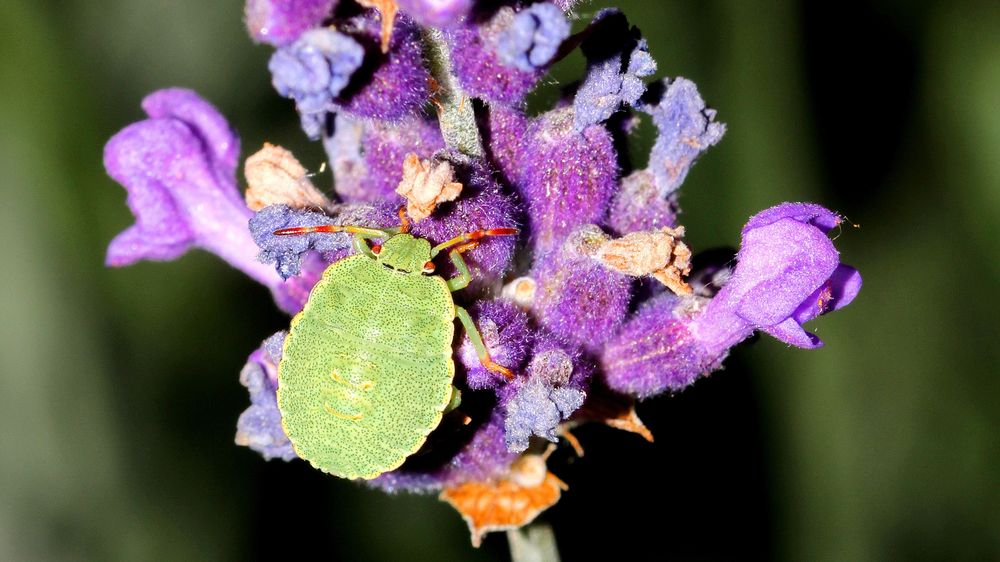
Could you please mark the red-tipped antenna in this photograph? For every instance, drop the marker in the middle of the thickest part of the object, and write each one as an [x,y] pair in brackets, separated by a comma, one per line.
[474,236]
[331,228]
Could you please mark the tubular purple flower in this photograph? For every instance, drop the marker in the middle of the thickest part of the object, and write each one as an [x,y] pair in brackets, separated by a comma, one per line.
[478,67]
[533,37]
[313,71]
[617,60]
[259,426]
[179,168]
[436,13]
[279,22]
[568,177]
[787,273]
[686,129]
[506,131]
[638,205]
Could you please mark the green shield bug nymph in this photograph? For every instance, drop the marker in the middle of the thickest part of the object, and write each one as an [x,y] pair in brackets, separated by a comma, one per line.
[366,373]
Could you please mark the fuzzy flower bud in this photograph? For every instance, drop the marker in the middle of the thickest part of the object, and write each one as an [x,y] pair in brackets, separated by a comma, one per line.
[280,22]
[533,38]
[686,129]
[286,252]
[542,401]
[568,177]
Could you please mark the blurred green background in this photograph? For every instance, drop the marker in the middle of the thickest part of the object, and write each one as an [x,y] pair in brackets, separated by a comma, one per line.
[119,389]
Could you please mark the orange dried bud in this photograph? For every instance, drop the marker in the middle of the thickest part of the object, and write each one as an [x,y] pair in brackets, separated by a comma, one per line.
[387,12]
[512,502]
[659,253]
[425,185]
[275,177]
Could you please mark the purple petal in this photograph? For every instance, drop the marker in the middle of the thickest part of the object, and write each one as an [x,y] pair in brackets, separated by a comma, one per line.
[809,213]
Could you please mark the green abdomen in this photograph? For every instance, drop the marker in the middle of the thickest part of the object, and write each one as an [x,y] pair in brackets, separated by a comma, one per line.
[367,368]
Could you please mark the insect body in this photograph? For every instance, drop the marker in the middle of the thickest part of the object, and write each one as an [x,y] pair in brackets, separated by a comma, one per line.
[366,373]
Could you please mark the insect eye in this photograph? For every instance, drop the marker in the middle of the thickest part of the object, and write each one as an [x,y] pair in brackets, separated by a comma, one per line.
[377,249]
[429,267]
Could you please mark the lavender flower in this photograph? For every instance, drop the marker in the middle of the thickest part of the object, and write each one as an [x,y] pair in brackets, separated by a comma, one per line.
[533,38]
[618,58]
[686,129]
[556,177]
[280,22]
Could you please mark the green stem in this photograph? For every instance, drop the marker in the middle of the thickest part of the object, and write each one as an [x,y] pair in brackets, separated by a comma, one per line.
[534,543]
[455,112]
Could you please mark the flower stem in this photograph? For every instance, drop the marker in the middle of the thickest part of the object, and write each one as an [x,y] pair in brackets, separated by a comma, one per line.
[455,113]
[534,543]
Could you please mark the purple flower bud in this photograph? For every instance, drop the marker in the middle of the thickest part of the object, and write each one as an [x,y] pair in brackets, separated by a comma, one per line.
[389,86]
[484,456]
[533,38]
[788,272]
[542,400]
[568,177]
[686,129]
[478,67]
[618,58]
[436,13]
[313,70]
[179,168]
[385,147]
[279,22]
[638,205]
[259,426]
[505,331]
[506,132]
[577,298]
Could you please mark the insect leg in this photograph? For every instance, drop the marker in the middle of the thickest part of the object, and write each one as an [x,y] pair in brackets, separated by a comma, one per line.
[463,278]
[477,342]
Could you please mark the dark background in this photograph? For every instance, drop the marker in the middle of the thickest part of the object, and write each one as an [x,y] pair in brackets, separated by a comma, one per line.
[119,389]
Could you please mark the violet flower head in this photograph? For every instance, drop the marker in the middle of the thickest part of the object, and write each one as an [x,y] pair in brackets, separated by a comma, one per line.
[618,58]
[280,22]
[259,426]
[313,70]
[533,38]
[686,129]
[436,13]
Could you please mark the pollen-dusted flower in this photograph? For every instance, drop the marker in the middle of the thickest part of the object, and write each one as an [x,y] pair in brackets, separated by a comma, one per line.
[533,37]
[279,22]
[617,60]
[313,71]
[259,426]
[686,129]
[286,252]
[543,399]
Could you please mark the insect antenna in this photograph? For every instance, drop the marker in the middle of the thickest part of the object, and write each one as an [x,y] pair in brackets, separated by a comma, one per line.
[473,236]
[331,228]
